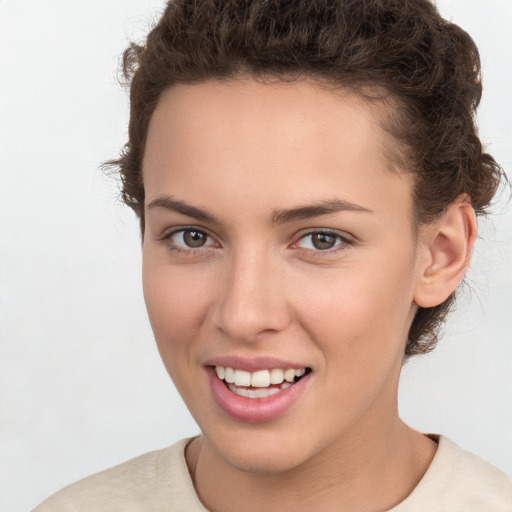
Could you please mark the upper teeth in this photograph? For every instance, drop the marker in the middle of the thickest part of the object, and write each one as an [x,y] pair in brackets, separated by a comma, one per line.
[260,378]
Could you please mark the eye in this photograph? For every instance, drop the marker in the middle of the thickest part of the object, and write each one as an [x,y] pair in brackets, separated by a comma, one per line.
[321,241]
[189,238]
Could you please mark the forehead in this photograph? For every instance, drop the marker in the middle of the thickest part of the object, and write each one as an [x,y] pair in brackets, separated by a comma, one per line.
[254,108]
[276,140]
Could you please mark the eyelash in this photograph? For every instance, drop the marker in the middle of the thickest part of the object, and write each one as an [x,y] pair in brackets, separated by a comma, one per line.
[167,239]
[344,244]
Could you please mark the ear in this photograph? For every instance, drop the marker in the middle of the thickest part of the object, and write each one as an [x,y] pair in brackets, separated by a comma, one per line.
[446,247]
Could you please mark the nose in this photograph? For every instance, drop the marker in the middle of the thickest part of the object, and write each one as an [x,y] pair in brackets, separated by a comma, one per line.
[252,299]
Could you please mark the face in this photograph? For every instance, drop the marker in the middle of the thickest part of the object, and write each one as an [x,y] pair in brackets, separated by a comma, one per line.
[279,254]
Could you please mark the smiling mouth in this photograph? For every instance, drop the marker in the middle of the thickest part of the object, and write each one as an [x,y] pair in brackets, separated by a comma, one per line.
[261,383]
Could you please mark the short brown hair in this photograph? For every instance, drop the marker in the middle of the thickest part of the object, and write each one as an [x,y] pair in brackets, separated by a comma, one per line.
[427,68]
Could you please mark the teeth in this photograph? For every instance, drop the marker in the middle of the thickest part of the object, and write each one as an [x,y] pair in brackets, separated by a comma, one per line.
[229,375]
[257,393]
[242,378]
[289,375]
[259,379]
[276,376]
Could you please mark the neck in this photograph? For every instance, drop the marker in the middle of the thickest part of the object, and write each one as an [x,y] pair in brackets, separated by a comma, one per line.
[373,469]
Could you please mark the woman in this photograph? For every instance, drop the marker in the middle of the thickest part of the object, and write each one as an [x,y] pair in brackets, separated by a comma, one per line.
[307,177]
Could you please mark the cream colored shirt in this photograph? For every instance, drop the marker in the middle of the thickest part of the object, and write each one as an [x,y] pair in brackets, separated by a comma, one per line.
[456,481]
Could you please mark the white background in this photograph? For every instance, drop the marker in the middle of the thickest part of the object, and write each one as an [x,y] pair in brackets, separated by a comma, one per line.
[81,384]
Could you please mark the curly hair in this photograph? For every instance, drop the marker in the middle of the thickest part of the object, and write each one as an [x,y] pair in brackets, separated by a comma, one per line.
[424,68]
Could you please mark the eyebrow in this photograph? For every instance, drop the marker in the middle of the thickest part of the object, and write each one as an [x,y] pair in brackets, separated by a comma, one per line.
[168,203]
[279,216]
[316,210]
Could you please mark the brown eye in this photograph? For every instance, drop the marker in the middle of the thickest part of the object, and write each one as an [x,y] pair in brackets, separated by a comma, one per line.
[323,241]
[193,238]
[189,238]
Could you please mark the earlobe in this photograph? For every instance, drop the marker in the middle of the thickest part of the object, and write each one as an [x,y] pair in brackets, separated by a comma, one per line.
[447,245]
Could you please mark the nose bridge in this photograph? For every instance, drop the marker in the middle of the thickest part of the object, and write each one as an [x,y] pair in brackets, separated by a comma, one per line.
[251,299]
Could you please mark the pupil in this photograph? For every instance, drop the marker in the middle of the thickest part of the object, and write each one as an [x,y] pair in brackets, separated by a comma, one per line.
[194,238]
[323,241]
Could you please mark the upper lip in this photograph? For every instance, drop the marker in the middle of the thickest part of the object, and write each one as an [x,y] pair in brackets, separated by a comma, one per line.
[253,364]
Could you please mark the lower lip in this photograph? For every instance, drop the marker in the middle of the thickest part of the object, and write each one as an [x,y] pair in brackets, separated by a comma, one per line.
[255,410]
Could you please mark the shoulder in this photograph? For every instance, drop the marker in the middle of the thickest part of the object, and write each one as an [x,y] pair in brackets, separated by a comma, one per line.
[458,480]
[150,482]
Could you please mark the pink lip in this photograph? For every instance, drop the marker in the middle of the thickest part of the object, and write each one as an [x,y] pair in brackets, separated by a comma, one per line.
[253,364]
[255,410]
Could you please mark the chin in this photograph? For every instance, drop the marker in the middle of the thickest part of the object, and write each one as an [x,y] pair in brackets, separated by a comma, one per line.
[263,462]
[262,452]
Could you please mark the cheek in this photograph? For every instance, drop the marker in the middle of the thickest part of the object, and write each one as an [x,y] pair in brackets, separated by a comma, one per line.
[175,302]
[360,317]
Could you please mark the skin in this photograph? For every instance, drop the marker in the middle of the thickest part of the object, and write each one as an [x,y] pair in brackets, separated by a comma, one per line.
[242,151]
